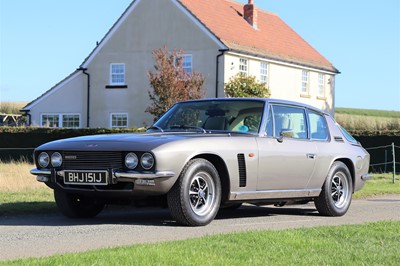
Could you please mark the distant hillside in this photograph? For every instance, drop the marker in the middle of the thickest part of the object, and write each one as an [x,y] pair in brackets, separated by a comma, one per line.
[367,119]
[11,107]
[368,112]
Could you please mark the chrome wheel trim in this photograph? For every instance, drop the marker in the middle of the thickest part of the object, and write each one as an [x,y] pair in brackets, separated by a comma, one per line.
[340,190]
[202,194]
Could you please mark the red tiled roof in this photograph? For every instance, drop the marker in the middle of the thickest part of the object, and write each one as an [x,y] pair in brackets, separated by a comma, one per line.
[272,39]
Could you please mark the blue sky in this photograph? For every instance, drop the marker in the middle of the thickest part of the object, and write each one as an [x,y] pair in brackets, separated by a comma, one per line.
[43,41]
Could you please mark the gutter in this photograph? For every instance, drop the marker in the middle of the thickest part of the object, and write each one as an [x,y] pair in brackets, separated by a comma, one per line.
[88,95]
[222,52]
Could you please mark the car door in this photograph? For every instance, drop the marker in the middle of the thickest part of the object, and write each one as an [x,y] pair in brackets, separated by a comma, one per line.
[286,155]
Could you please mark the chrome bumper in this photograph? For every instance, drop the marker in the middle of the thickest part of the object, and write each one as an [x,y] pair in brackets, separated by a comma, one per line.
[366,177]
[43,175]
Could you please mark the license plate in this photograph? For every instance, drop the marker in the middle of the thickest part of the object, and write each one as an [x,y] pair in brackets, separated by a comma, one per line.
[86,177]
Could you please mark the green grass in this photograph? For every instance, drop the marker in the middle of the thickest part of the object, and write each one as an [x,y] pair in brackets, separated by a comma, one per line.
[367,244]
[381,184]
[368,112]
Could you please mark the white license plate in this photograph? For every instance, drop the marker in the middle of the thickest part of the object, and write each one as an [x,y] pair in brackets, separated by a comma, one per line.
[86,177]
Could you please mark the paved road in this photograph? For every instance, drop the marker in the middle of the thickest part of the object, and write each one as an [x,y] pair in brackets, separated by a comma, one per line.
[44,235]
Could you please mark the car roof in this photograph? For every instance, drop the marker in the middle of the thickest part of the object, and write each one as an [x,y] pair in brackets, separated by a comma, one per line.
[266,100]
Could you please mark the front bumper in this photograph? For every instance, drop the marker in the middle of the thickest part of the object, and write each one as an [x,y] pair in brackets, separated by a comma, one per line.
[117,176]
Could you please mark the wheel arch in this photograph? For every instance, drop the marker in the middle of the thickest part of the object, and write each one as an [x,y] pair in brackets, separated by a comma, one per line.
[350,166]
[222,170]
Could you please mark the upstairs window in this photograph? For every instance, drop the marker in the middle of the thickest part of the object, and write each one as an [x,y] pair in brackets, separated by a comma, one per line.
[117,74]
[243,66]
[321,85]
[304,82]
[119,120]
[264,73]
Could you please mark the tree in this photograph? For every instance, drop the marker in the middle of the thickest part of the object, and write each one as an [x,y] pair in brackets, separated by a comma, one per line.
[242,86]
[171,83]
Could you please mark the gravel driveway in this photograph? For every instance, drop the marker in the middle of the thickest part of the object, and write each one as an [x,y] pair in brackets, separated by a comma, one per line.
[44,235]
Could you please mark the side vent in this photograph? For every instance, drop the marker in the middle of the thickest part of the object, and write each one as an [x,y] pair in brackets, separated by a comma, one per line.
[339,139]
[242,170]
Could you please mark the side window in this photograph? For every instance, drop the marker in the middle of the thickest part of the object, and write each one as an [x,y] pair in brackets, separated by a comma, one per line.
[318,126]
[290,122]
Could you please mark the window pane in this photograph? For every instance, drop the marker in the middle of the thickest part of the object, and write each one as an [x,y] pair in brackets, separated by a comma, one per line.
[290,122]
[304,82]
[187,63]
[264,73]
[318,126]
[119,120]
[117,74]
[321,85]
[50,120]
[243,66]
[70,121]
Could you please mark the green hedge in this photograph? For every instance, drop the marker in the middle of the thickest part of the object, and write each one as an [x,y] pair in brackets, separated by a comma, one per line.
[19,142]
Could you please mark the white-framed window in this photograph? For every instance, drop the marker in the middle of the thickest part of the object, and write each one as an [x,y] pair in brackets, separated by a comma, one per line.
[119,120]
[305,82]
[187,63]
[243,66]
[264,73]
[60,120]
[321,85]
[117,74]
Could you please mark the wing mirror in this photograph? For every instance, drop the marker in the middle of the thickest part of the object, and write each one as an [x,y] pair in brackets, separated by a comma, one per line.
[286,133]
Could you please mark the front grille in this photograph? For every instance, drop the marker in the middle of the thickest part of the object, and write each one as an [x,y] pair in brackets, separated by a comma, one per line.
[93,160]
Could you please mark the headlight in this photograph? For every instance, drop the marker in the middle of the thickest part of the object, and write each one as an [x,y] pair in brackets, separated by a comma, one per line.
[43,159]
[131,160]
[56,159]
[147,161]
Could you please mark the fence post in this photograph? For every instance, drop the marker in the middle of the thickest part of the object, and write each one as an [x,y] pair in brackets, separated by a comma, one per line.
[394,161]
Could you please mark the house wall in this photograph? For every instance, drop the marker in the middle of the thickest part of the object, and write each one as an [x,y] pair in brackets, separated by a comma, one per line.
[133,45]
[284,80]
[68,97]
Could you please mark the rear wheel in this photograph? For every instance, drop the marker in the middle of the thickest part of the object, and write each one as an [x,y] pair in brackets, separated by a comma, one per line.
[336,194]
[195,198]
[76,206]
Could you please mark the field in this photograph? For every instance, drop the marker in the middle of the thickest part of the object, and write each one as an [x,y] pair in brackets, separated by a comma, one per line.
[365,119]
[11,107]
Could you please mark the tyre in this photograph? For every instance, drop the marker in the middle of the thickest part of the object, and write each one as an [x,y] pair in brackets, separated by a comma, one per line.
[195,198]
[336,194]
[75,206]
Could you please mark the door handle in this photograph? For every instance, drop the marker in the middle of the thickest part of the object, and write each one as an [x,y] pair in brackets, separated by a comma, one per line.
[311,156]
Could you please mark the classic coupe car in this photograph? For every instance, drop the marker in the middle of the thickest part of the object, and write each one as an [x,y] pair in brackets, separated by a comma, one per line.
[204,155]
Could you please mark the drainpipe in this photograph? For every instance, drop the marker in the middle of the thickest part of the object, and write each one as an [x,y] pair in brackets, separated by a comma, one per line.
[88,95]
[217,71]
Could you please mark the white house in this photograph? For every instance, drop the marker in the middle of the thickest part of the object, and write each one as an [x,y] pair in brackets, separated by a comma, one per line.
[219,38]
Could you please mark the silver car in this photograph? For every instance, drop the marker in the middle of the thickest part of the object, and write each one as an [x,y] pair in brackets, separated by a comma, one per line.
[204,155]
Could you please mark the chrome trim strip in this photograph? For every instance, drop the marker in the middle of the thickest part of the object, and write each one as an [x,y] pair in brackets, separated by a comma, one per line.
[366,177]
[275,194]
[146,175]
[36,171]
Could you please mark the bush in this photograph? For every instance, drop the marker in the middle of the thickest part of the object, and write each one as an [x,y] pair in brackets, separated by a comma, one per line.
[242,86]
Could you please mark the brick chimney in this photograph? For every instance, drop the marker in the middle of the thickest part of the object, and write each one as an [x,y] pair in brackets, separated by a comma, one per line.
[250,13]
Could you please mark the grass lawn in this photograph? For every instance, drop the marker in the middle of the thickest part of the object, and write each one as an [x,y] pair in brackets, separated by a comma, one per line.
[367,244]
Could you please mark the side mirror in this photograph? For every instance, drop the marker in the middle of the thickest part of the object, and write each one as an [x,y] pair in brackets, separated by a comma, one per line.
[285,134]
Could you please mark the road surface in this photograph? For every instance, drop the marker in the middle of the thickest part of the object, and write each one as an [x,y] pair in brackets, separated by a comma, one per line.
[48,234]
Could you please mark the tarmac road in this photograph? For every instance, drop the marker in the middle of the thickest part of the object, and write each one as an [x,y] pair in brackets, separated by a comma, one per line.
[45,235]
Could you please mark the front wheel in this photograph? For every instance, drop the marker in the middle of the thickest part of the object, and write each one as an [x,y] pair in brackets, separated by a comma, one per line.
[336,194]
[195,198]
[76,206]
